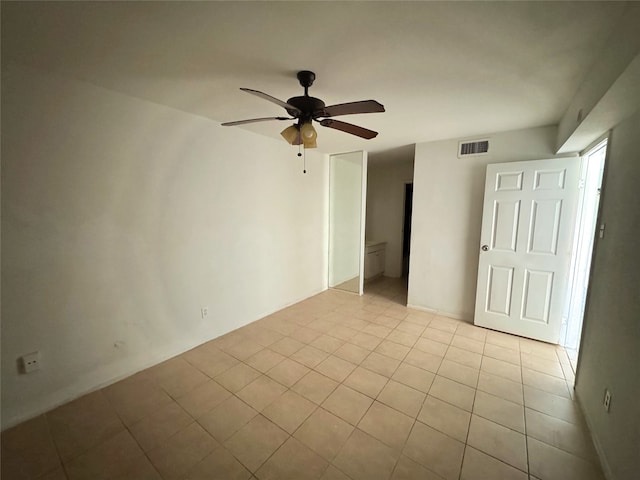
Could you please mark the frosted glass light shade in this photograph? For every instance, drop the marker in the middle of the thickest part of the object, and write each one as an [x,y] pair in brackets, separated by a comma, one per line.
[290,134]
[309,135]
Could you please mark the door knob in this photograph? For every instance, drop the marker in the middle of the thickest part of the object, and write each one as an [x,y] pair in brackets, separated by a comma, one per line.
[485,248]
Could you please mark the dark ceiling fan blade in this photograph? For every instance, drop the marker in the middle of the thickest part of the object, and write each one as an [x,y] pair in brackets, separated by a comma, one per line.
[254,120]
[295,111]
[364,106]
[349,128]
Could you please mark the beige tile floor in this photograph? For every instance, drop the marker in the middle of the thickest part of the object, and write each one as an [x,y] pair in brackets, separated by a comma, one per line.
[335,387]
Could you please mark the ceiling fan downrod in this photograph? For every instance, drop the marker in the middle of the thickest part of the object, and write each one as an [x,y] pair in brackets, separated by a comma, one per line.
[306,78]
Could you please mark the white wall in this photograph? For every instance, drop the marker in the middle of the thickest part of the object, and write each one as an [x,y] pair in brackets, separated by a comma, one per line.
[609,91]
[121,218]
[447,213]
[610,349]
[385,208]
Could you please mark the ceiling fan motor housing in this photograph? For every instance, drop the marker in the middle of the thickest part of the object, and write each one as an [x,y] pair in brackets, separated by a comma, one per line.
[307,105]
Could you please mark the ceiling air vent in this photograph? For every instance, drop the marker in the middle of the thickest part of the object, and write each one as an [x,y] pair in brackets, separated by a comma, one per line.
[479,147]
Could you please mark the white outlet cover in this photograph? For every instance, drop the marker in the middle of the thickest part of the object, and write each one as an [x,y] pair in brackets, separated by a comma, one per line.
[31,362]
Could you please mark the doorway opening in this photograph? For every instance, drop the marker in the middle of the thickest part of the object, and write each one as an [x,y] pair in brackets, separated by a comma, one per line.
[585,234]
[406,229]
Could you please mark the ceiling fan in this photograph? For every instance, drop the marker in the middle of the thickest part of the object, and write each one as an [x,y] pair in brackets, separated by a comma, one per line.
[307,109]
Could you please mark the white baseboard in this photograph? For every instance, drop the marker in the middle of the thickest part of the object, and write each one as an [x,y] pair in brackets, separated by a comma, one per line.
[606,469]
[64,396]
[457,316]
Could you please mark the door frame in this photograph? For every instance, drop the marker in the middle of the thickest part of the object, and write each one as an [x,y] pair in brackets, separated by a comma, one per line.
[405,224]
[573,316]
[358,237]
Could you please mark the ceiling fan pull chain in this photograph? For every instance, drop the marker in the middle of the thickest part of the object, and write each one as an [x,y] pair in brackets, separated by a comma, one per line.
[304,158]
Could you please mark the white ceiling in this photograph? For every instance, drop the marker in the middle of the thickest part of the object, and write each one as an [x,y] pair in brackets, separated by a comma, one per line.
[441,69]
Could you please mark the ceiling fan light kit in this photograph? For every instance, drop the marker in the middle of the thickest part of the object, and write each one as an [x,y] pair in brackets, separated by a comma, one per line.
[309,135]
[292,135]
[306,110]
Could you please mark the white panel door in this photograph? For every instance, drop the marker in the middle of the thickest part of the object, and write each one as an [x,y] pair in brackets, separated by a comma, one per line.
[525,251]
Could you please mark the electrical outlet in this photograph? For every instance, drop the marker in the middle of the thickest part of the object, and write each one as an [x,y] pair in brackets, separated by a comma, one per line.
[607,399]
[204,311]
[30,362]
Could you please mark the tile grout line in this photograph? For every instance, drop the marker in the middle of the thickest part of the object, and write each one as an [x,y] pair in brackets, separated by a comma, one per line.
[524,413]
[335,306]
[128,429]
[55,444]
[473,404]
[415,419]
